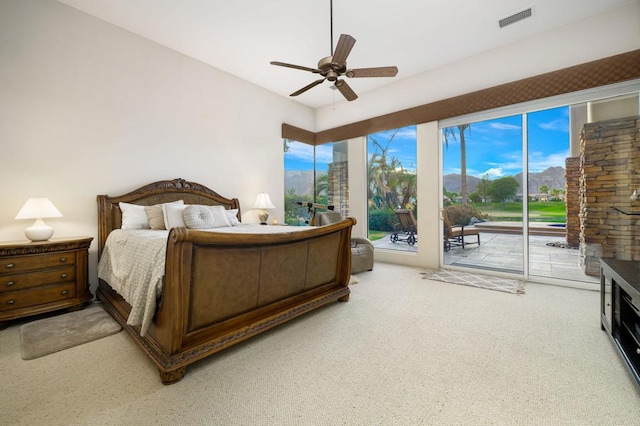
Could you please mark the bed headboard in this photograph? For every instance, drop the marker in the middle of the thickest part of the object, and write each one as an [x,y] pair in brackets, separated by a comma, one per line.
[164,191]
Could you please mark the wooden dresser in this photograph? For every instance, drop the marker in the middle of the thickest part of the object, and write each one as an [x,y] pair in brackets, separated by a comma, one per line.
[620,310]
[45,276]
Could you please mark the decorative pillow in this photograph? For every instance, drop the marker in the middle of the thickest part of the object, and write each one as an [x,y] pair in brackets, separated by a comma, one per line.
[173,215]
[156,216]
[133,216]
[233,216]
[198,217]
[219,216]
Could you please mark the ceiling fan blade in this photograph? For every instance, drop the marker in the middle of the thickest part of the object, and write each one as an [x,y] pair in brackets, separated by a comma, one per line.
[298,67]
[346,91]
[307,87]
[343,48]
[373,72]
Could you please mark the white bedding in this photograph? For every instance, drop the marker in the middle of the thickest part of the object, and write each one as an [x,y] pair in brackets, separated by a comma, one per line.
[133,261]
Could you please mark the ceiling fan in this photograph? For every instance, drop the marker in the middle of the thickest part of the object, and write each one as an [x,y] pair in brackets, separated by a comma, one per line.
[335,66]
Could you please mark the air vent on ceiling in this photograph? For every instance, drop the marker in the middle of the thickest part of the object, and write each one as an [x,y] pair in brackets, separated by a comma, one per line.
[516,17]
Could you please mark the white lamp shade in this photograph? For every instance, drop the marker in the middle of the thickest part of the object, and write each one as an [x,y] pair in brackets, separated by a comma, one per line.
[38,208]
[263,201]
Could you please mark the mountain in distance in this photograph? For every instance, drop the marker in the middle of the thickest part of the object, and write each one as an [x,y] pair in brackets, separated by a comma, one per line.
[553,177]
[301,181]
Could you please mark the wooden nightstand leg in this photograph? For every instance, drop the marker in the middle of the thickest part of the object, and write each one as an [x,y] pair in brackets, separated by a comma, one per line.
[4,324]
[76,308]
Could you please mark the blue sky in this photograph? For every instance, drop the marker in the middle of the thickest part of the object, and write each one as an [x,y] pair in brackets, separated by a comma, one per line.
[494,147]
[402,146]
[300,156]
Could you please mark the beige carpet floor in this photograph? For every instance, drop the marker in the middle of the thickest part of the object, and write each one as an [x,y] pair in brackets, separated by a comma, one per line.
[402,351]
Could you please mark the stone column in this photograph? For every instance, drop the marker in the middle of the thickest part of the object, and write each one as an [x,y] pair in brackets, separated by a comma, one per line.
[610,172]
[572,199]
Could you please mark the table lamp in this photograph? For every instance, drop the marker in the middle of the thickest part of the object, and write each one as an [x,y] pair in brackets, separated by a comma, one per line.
[263,201]
[38,208]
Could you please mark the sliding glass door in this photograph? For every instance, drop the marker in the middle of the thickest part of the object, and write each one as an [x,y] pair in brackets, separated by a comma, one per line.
[548,148]
[483,193]
[549,191]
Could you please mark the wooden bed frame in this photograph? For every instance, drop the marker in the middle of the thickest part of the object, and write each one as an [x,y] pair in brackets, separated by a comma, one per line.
[220,289]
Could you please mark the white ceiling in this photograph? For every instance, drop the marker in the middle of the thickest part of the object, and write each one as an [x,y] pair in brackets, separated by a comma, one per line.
[241,37]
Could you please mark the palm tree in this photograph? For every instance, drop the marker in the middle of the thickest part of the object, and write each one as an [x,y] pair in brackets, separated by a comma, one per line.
[382,185]
[449,132]
[322,188]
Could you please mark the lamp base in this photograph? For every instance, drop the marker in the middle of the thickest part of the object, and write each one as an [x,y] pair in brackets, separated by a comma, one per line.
[264,216]
[39,231]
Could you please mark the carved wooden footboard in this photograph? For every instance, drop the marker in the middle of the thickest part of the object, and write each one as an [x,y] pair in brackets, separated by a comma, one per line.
[220,289]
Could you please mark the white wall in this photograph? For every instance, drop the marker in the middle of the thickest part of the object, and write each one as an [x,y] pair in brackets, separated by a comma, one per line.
[87,108]
[597,37]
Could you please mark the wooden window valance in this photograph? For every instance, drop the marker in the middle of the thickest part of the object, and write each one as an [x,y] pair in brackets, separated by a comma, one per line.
[602,72]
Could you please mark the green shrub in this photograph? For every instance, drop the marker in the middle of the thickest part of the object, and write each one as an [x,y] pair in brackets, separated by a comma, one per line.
[382,220]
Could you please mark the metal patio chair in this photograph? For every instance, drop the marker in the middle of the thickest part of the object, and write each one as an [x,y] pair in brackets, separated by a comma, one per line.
[454,235]
[407,229]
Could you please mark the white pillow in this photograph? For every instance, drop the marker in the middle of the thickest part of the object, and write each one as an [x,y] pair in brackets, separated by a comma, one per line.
[156,215]
[173,215]
[198,217]
[233,216]
[133,216]
[220,218]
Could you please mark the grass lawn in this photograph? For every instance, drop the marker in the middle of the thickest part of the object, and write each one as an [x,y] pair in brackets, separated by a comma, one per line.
[539,211]
[376,235]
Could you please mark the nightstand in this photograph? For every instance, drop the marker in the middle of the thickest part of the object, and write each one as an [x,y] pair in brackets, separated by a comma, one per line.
[44,276]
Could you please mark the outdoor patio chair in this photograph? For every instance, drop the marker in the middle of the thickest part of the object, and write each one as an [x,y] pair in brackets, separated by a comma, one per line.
[407,229]
[454,235]
[361,248]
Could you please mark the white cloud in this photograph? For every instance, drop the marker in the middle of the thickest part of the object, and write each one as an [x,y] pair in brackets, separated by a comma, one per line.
[539,162]
[492,173]
[324,153]
[304,152]
[560,125]
[504,126]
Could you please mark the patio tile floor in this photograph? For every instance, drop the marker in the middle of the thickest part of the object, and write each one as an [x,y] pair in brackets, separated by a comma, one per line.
[503,252]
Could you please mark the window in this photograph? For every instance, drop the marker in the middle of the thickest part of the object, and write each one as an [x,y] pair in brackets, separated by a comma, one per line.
[317,175]
[540,189]
[392,184]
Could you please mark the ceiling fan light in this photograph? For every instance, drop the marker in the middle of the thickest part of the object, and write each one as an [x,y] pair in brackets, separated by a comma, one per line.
[333,67]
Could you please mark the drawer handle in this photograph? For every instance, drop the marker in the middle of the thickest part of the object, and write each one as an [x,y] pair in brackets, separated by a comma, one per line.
[65,292]
[11,302]
[10,283]
[63,259]
[10,265]
[63,276]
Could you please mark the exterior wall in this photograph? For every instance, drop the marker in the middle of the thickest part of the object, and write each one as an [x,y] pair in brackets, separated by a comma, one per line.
[610,172]
[338,187]
[572,194]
